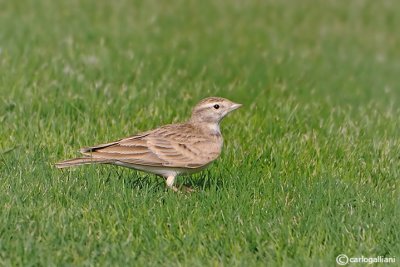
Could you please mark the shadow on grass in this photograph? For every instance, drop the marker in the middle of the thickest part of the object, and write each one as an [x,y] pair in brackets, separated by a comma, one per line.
[204,181]
[140,180]
[133,179]
[137,180]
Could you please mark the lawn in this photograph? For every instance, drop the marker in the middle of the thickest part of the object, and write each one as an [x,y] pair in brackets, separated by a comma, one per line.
[311,163]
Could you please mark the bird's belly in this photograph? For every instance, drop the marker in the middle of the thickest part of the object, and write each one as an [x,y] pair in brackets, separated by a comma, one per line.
[162,171]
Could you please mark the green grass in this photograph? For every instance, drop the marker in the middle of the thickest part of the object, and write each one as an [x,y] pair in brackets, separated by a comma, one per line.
[311,163]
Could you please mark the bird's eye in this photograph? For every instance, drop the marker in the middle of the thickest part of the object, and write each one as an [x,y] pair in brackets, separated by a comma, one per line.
[216,106]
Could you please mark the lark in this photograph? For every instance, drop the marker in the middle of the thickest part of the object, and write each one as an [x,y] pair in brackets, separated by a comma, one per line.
[170,150]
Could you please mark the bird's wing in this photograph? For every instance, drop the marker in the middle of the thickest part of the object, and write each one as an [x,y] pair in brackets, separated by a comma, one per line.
[170,146]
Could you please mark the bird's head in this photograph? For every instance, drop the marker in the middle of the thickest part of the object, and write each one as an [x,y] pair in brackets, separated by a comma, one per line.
[213,109]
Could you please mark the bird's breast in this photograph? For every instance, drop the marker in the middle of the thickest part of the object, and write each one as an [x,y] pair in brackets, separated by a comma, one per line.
[211,149]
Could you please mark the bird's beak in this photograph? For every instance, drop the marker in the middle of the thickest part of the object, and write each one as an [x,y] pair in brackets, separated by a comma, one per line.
[235,106]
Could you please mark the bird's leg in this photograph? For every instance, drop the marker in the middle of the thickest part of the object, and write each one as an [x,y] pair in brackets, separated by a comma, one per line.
[170,183]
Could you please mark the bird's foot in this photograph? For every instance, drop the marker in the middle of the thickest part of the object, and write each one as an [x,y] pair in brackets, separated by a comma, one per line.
[182,189]
[187,189]
[174,188]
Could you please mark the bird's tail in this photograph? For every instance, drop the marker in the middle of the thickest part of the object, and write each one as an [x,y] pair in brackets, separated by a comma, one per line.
[78,162]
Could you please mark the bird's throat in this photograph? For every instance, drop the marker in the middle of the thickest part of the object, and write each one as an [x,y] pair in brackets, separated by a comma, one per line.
[213,129]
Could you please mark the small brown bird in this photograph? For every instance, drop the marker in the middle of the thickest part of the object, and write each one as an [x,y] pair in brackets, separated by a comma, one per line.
[169,150]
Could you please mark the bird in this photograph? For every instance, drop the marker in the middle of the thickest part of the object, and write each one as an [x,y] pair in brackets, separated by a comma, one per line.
[167,151]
